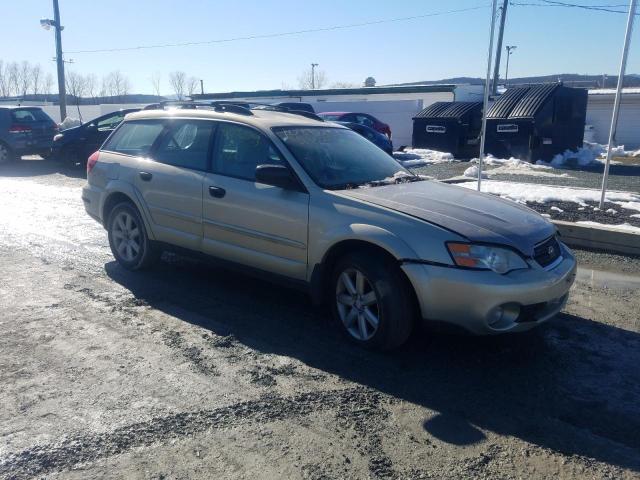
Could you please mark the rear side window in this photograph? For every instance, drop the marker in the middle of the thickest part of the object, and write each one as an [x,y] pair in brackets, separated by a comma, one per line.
[239,150]
[186,144]
[135,138]
[29,115]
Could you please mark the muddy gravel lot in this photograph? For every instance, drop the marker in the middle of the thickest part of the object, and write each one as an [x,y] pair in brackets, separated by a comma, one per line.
[189,371]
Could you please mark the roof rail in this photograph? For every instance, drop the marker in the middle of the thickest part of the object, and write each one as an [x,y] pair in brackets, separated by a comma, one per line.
[230,107]
[278,108]
[171,103]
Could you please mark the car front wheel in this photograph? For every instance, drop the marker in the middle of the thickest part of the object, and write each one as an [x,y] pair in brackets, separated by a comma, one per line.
[372,301]
[128,238]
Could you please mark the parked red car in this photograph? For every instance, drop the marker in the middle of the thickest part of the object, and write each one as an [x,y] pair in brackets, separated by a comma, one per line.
[361,118]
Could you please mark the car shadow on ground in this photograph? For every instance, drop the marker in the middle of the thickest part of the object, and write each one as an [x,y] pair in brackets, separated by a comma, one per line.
[570,386]
[35,167]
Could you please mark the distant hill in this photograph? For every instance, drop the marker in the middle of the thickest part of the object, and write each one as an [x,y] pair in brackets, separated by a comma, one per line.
[569,79]
[71,100]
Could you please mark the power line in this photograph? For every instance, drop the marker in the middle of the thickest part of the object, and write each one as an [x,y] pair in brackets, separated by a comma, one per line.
[552,3]
[280,34]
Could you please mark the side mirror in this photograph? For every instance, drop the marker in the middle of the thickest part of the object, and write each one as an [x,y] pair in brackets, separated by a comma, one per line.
[276,175]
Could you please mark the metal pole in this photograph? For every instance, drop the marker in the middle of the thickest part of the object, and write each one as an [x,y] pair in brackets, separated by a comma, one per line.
[506,73]
[616,103]
[485,107]
[313,76]
[62,93]
[496,70]
[201,87]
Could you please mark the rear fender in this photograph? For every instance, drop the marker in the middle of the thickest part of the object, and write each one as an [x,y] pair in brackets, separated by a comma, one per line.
[119,186]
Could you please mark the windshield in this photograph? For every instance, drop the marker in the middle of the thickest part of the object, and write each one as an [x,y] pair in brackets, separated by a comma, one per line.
[338,158]
[330,117]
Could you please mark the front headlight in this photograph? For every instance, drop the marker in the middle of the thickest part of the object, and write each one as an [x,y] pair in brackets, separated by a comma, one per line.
[485,257]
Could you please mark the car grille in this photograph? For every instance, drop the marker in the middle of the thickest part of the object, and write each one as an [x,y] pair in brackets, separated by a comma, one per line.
[547,252]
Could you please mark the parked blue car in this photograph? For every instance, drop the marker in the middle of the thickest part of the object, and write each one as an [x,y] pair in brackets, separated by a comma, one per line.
[25,131]
[377,138]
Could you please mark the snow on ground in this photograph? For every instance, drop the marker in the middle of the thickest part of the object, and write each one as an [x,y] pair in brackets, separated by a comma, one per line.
[514,166]
[472,172]
[621,226]
[526,192]
[413,157]
[589,154]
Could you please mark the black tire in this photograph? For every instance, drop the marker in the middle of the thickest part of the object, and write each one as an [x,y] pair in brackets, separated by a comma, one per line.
[6,154]
[147,253]
[395,308]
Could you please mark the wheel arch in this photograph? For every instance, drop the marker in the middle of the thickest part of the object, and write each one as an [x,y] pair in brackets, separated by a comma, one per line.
[123,193]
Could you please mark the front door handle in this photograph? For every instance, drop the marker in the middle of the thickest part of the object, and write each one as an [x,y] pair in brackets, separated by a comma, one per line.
[146,176]
[217,192]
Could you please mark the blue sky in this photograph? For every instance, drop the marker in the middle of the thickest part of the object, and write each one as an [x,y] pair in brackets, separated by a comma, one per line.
[549,40]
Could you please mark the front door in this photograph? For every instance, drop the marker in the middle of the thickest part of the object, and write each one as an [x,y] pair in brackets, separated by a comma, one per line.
[246,222]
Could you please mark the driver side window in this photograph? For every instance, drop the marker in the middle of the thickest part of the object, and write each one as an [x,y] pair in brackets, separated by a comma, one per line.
[239,150]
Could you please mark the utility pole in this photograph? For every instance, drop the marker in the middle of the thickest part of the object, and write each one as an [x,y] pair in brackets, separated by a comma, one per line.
[509,49]
[201,87]
[496,70]
[616,103]
[313,76]
[62,93]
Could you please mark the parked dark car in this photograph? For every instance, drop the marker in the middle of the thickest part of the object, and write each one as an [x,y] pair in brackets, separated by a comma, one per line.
[299,106]
[378,139]
[25,131]
[361,118]
[74,145]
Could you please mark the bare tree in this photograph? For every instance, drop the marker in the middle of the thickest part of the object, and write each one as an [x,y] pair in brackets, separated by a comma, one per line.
[116,85]
[192,85]
[36,79]
[76,87]
[24,78]
[177,81]
[308,80]
[155,81]
[47,86]
[4,87]
[13,78]
[91,86]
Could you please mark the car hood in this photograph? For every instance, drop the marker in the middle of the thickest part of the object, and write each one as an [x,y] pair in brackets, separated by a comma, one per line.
[477,216]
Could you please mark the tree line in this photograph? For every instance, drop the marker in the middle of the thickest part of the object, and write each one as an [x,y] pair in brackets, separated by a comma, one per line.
[18,79]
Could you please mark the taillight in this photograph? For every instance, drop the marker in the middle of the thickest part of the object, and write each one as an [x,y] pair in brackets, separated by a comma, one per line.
[15,128]
[91,162]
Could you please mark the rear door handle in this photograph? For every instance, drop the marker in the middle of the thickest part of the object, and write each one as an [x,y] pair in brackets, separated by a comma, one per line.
[146,176]
[217,192]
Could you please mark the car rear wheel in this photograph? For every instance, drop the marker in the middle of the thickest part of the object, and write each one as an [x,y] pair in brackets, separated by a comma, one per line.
[372,301]
[128,238]
[6,155]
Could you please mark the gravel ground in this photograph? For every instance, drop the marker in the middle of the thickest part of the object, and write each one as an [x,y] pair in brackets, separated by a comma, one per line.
[188,371]
[621,177]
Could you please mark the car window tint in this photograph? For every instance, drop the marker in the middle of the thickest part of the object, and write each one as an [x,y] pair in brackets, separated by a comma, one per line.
[29,115]
[135,138]
[186,144]
[239,150]
[110,122]
[364,120]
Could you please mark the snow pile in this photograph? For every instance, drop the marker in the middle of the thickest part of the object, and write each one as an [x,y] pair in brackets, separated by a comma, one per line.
[514,166]
[412,157]
[70,122]
[589,154]
[525,192]
[472,172]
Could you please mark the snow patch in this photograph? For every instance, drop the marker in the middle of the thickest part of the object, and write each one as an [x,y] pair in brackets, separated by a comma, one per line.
[413,157]
[556,209]
[621,226]
[472,172]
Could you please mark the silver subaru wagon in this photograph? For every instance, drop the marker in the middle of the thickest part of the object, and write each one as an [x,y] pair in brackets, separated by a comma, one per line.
[320,207]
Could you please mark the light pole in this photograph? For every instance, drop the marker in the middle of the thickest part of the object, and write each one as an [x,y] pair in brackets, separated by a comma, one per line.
[509,49]
[313,76]
[55,23]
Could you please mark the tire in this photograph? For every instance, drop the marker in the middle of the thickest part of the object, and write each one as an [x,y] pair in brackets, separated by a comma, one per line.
[128,238]
[378,290]
[6,154]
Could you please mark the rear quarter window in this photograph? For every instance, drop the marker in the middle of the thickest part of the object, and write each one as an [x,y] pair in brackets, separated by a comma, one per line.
[29,115]
[134,138]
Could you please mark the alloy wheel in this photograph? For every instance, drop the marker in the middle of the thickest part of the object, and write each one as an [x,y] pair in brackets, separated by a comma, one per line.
[357,304]
[4,154]
[126,236]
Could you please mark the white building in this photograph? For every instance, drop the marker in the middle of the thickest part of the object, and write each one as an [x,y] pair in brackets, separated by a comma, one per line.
[600,109]
[394,105]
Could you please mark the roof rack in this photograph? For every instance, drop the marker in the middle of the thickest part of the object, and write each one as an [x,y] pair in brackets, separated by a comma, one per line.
[278,108]
[231,107]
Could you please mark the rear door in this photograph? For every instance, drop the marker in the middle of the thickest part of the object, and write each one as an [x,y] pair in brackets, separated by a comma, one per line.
[35,125]
[246,222]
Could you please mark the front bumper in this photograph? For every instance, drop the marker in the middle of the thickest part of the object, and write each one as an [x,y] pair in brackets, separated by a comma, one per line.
[484,302]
